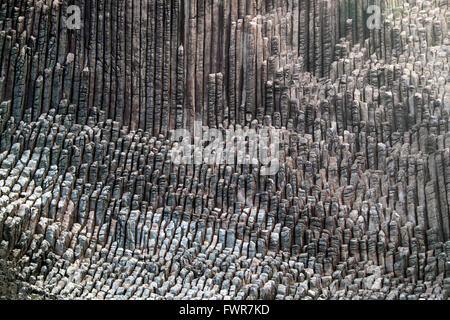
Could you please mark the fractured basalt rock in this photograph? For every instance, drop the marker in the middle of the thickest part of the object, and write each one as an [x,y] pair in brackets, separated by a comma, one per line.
[93,204]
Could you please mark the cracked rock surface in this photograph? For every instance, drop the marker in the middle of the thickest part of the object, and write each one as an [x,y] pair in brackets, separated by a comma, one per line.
[92,205]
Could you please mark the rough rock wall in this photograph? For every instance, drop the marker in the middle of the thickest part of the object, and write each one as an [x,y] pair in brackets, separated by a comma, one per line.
[124,57]
[91,205]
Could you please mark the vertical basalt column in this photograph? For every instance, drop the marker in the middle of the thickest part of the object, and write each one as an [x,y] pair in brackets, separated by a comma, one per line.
[225,34]
[107,77]
[133,25]
[327,39]
[8,70]
[200,59]
[249,69]
[239,69]
[92,49]
[212,100]
[295,25]
[232,92]
[120,74]
[259,69]
[175,42]
[165,112]
[143,29]
[159,61]
[207,68]
[312,9]
[99,55]
[68,76]
[216,45]
[220,111]
[190,71]
[46,96]
[82,112]
[22,66]
[303,32]
[150,70]
[318,52]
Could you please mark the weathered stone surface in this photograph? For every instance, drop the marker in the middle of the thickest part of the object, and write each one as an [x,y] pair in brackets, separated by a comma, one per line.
[93,207]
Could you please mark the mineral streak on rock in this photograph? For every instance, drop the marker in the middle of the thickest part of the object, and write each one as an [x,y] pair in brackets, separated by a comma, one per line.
[93,207]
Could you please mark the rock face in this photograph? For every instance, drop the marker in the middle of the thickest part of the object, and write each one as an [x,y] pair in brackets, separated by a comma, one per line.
[93,205]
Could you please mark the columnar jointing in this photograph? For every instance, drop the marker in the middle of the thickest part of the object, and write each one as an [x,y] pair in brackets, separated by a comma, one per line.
[93,204]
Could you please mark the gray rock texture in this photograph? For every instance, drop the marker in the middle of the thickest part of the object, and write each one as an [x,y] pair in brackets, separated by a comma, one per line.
[92,205]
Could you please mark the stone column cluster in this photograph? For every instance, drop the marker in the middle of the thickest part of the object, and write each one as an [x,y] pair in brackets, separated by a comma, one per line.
[123,57]
[92,205]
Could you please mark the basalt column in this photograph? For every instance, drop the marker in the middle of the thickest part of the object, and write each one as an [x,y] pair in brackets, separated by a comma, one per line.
[101,199]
